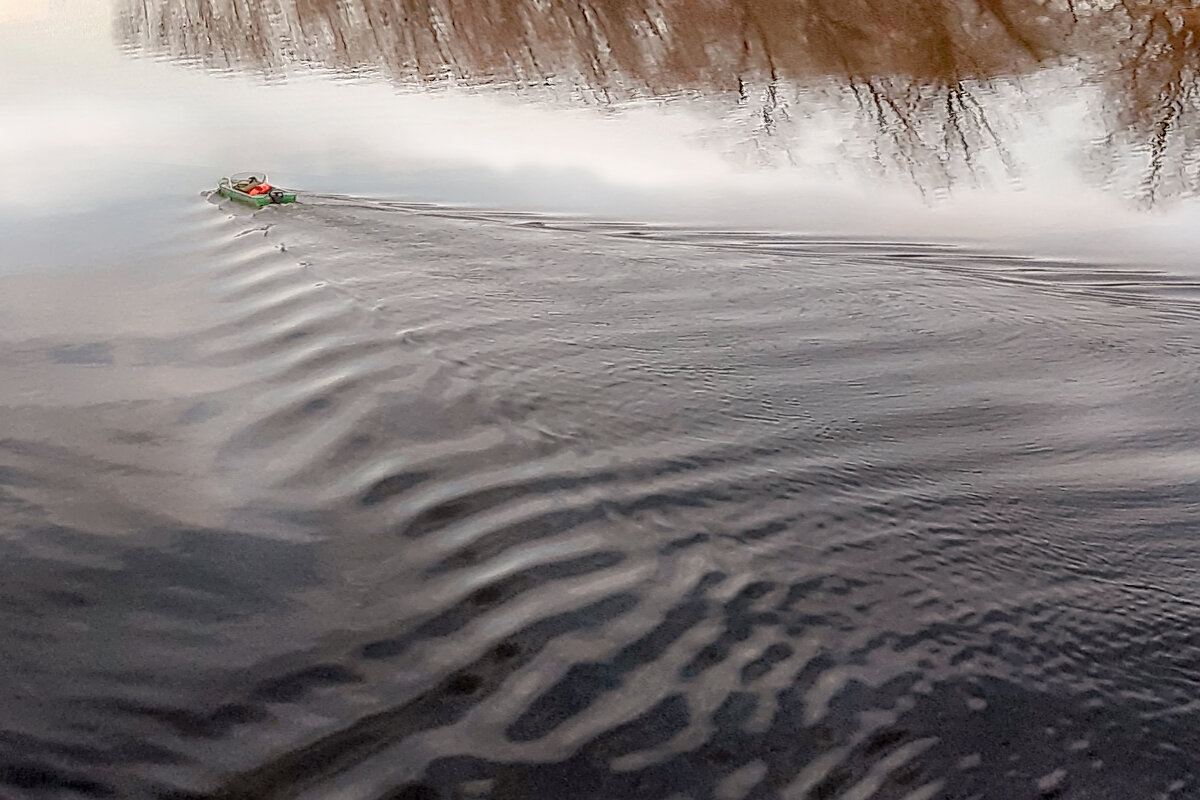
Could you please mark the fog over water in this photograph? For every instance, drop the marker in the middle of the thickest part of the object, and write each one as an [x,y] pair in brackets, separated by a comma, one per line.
[662,400]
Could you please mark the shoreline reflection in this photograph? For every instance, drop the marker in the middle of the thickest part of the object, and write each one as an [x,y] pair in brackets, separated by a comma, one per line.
[936,83]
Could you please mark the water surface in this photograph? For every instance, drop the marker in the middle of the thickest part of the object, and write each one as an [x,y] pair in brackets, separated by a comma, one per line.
[632,407]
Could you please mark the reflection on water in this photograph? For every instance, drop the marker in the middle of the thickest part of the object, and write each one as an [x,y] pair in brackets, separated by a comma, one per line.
[617,46]
[378,500]
[371,500]
[1154,93]
[934,79]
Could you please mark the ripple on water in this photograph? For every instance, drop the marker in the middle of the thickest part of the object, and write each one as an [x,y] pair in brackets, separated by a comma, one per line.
[587,510]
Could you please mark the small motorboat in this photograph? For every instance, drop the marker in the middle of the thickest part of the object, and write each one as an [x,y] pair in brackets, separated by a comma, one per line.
[252,188]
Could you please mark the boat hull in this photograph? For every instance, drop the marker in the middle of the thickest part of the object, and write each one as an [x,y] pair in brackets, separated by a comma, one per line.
[257,200]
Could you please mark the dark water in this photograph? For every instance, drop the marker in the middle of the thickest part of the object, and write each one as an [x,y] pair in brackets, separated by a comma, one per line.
[443,504]
[381,499]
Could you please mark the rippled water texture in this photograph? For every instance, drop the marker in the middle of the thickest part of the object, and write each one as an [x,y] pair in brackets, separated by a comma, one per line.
[527,508]
[377,499]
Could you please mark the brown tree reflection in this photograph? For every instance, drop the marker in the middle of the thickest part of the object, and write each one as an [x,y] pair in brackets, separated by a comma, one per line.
[615,46]
[922,73]
[1154,96]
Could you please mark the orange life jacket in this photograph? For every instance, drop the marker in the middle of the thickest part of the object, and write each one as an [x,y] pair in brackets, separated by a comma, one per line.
[262,188]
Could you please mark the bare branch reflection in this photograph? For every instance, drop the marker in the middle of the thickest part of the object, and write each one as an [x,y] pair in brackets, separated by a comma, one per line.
[923,74]
[615,46]
[1153,96]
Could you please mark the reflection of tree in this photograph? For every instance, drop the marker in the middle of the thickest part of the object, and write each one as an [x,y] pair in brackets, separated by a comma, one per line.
[912,69]
[1154,93]
[931,128]
[616,45]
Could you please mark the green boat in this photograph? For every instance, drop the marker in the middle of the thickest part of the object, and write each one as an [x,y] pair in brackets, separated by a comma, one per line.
[252,188]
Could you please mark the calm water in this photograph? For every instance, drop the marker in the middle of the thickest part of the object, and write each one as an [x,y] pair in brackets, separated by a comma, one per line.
[645,400]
